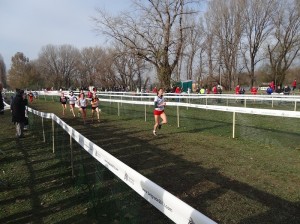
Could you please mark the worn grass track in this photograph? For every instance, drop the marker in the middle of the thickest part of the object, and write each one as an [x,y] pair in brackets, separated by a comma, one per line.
[251,179]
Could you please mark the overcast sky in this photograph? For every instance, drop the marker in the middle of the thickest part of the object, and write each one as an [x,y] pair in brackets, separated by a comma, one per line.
[28,25]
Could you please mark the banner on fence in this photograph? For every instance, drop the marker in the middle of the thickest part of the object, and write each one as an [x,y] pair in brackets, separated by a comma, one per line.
[177,210]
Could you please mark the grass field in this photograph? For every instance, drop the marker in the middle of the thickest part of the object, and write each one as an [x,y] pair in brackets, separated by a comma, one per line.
[253,178]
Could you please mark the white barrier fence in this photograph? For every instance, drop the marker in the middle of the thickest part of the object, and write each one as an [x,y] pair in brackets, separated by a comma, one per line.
[175,209]
[236,97]
[232,109]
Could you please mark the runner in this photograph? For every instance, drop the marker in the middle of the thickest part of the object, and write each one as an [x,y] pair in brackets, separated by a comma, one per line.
[159,104]
[72,101]
[30,94]
[95,105]
[82,103]
[63,100]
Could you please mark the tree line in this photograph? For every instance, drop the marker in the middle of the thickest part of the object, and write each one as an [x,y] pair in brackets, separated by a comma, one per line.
[232,42]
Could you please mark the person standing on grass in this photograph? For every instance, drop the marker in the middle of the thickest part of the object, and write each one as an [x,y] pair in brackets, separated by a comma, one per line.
[82,103]
[294,84]
[95,105]
[1,100]
[72,101]
[63,100]
[159,110]
[18,113]
[237,89]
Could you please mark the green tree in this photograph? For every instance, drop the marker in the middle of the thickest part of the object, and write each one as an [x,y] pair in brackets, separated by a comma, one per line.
[18,75]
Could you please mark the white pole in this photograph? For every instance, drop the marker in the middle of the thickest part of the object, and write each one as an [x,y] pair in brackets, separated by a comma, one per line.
[145,112]
[295,108]
[178,116]
[71,147]
[44,138]
[272,102]
[233,125]
[53,136]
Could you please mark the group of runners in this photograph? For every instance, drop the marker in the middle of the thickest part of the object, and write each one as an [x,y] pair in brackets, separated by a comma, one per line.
[160,117]
[82,103]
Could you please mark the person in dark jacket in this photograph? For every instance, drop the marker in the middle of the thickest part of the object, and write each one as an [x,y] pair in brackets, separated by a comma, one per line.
[18,113]
[1,100]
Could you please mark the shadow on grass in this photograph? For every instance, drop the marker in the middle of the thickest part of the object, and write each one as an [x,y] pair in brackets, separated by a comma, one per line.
[196,185]
[207,190]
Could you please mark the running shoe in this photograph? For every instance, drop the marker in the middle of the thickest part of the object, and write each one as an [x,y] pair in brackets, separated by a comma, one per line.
[154,133]
[159,126]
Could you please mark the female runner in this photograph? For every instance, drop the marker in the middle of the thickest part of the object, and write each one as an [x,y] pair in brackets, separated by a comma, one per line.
[95,105]
[72,100]
[159,110]
[82,103]
[63,100]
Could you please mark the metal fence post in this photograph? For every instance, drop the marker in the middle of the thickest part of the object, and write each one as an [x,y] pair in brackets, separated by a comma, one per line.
[53,145]
[71,147]
[145,112]
[233,125]
[44,138]
[178,116]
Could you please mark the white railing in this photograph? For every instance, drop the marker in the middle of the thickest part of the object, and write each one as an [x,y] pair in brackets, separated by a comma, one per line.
[175,209]
[228,97]
[232,109]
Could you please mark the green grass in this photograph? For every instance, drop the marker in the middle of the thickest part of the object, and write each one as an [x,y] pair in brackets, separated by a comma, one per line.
[253,178]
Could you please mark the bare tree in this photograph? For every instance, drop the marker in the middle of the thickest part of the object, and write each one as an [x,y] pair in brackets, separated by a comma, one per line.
[286,45]
[210,49]
[154,33]
[227,23]
[194,44]
[59,64]
[258,25]
[91,59]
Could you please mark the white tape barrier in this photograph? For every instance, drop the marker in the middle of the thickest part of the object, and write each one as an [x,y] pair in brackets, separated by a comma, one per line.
[6,106]
[177,210]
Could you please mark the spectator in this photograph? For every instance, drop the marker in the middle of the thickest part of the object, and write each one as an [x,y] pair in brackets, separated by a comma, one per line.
[89,95]
[237,89]
[154,90]
[219,89]
[202,90]
[278,90]
[215,89]
[269,90]
[272,85]
[242,91]
[253,90]
[1,100]
[286,90]
[178,91]
[18,113]
[294,84]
